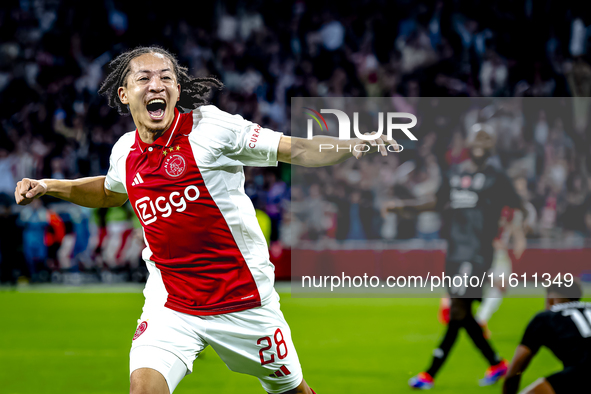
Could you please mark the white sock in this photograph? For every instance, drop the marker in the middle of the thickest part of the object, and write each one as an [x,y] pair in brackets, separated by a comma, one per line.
[489,305]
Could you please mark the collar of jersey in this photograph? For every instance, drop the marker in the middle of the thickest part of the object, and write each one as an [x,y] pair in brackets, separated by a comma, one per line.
[164,139]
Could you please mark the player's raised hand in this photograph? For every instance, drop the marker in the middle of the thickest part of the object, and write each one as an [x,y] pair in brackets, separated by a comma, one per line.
[380,144]
[29,189]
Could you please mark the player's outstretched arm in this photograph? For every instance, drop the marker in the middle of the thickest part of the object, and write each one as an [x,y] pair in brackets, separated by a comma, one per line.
[326,151]
[88,192]
[521,360]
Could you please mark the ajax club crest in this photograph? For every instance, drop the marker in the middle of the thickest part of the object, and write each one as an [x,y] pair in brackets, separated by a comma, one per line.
[140,330]
[175,164]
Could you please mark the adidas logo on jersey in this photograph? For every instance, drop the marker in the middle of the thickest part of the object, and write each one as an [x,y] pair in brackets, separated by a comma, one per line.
[137,180]
[283,371]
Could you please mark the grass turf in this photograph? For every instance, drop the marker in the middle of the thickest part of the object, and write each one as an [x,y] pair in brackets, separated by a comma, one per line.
[79,343]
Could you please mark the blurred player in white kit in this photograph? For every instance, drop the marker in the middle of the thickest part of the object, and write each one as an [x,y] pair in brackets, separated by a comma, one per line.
[512,232]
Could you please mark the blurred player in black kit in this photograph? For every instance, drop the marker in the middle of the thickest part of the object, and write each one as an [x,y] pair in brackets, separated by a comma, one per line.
[470,199]
[565,329]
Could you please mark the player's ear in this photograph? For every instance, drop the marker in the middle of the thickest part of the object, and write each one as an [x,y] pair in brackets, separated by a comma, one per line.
[549,302]
[178,86]
[122,93]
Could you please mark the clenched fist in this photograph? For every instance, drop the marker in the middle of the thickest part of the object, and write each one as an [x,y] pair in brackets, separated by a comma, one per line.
[29,189]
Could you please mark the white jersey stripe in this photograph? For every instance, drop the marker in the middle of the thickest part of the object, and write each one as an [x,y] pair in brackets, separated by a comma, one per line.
[173,130]
[155,291]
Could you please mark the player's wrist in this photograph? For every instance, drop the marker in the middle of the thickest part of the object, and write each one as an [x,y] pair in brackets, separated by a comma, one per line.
[48,185]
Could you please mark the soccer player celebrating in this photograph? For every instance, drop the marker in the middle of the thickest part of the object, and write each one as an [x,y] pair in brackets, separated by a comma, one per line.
[471,198]
[565,329]
[211,281]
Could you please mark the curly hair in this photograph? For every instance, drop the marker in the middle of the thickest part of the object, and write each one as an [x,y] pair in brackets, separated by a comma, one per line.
[193,90]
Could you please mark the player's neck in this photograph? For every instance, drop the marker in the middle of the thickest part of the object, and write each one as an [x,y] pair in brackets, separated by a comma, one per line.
[149,136]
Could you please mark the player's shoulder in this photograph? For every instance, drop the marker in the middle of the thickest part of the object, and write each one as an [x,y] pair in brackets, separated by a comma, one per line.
[212,115]
[543,315]
[540,322]
[552,315]
[558,308]
[124,144]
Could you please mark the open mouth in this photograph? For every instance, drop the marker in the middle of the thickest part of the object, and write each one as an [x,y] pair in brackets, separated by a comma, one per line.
[156,108]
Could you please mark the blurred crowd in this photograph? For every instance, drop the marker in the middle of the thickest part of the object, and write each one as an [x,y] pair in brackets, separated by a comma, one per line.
[54,55]
[539,144]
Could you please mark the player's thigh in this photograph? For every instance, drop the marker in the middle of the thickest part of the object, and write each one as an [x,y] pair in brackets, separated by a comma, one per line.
[540,386]
[148,381]
[463,279]
[572,379]
[165,341]
[155,370]
[258,342]
[502,267]
[460,308]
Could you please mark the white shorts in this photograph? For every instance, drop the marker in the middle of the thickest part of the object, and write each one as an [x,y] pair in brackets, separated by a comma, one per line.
[256,342]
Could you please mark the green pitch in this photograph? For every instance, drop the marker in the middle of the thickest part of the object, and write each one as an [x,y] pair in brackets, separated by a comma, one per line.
[79,343]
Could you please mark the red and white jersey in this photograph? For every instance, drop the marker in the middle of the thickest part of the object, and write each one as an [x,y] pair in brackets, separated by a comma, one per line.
[205,252]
